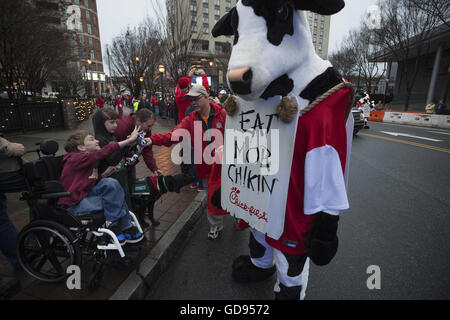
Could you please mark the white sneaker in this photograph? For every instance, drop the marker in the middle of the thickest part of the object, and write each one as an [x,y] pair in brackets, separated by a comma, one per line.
[214,232]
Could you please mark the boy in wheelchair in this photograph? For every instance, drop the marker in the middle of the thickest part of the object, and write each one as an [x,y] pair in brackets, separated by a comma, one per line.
[88,193]
[141,194]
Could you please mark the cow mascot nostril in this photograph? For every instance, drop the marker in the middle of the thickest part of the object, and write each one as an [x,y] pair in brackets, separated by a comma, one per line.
[287,145]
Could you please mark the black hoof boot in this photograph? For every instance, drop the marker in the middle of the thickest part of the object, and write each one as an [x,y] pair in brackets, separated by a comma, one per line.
[245,271]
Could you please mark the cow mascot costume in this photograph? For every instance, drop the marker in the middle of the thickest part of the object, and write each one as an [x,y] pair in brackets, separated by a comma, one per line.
[289,185]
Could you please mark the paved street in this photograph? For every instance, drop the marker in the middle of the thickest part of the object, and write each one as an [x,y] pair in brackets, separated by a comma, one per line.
[399,194]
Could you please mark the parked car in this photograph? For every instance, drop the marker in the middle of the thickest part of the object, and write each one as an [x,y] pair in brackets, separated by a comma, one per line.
[51,95]
[358,116]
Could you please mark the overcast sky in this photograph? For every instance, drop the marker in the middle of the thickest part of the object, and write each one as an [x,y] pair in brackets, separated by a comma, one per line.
[115,15]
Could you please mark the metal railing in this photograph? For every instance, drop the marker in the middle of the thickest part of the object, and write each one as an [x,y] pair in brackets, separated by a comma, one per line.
[30,116]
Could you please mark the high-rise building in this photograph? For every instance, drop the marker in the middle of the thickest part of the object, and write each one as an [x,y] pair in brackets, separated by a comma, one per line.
[208,52]
[320,31]
[86,47]
[213,54]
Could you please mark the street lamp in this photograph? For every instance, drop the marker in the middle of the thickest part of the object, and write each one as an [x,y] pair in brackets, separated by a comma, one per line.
[162,108]
[89,61]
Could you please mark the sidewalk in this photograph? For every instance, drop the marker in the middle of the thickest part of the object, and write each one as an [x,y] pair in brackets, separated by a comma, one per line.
[174,211]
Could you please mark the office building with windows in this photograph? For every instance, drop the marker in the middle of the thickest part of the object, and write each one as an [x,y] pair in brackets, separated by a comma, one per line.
[82,23]
[213,54]
[320,31]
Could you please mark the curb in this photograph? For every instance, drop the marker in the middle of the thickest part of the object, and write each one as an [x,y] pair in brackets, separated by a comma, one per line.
[135,287]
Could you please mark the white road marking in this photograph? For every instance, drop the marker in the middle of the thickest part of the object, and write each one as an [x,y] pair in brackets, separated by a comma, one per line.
[396,134]
[440,132]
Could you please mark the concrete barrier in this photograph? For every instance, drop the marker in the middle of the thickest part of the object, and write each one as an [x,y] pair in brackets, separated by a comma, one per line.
[411,118]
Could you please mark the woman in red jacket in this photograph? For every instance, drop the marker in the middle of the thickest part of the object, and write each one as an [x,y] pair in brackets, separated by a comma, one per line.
[209,116]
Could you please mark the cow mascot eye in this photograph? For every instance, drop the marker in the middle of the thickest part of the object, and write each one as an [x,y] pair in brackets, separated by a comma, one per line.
[283,13]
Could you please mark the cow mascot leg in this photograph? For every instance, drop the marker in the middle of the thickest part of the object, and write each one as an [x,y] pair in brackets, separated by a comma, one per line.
[281,86]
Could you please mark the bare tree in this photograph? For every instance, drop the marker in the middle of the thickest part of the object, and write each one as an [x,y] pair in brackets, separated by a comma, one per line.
[30,47]
[362,45]
[344,61]
[404,33]
[174,22]
[438,8]
[135,54]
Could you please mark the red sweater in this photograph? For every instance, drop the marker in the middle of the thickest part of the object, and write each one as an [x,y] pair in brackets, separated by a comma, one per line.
[125,127]
[80,174]
[184,103]
[218,122]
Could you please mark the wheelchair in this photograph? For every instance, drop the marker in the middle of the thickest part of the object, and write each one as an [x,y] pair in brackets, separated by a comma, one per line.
[57,239]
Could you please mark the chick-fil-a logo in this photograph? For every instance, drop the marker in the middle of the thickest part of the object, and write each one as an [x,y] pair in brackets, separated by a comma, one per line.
[234,199]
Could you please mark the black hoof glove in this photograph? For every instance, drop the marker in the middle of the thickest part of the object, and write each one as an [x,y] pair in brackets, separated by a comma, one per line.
[216,199]
[323,242]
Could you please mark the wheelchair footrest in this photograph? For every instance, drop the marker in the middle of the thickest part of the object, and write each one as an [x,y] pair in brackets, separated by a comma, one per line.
[111,246]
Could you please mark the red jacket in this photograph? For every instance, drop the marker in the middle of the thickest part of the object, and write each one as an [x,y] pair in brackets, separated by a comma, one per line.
[184,103]
[154,101]
[80,173]
[125,127]
[100,103]
[216,121]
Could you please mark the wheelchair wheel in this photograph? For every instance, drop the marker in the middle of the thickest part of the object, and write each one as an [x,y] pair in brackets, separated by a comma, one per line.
[46,249]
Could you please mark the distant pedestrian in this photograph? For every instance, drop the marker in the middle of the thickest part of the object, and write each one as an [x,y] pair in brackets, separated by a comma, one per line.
[155,107]
[100,102]
[441,108]
[429,108]
[119,106]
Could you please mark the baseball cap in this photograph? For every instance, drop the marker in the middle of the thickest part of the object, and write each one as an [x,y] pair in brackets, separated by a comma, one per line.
[197,90]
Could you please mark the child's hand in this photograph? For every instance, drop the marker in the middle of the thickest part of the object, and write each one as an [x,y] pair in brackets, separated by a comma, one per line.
[135,134]
[149,141]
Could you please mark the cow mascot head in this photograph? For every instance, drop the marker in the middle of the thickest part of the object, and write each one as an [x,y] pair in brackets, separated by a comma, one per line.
[273,53]
[273,64]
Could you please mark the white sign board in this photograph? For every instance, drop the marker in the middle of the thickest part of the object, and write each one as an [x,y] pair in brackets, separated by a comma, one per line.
[256,167]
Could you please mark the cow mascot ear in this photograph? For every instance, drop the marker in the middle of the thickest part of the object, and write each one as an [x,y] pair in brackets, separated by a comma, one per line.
[224,27]
[323,7]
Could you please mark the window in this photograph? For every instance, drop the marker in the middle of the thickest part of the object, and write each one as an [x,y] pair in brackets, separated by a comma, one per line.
[77,2]
[91,44]
[199,45]
[86,3]
[82,40]
[92,55]
[205,18]
[89,29]
[88,16]
[206,29]
[194,28]
[205,10]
